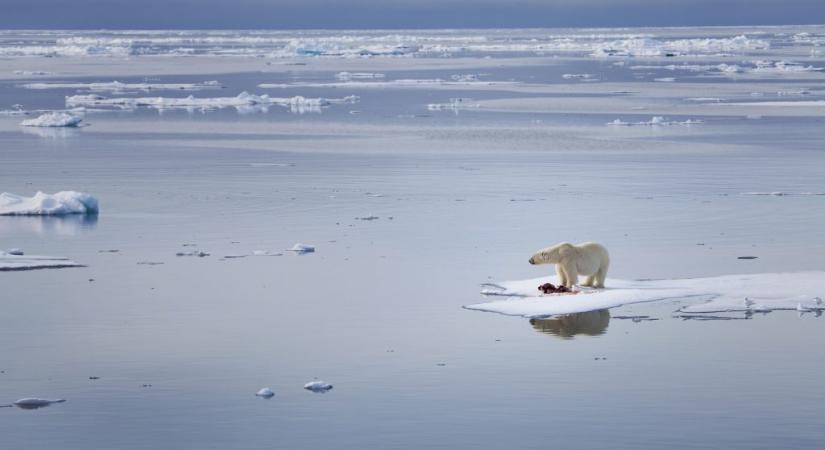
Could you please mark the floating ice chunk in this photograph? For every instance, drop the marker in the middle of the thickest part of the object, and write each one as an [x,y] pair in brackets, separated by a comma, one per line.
[14,252]
[302,248]
[665,79]
[784,194]
[18,261]
[367,218]
[768,292]
[265,393]
[317,386]
[34,403]
[117,86]
[346,76]
[265,253]
[198,253]
[32,72]
[58,204]
[782,67]
[243,102]
[53,119]
[654,121]
[578,76]
[455,105]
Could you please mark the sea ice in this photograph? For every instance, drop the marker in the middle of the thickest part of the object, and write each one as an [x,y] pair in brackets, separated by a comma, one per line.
[117,86]
[302,248]
[317,386]
[265,393]
[770,291]
[58,204]
[53,119]
[13,261]
[654,121]
[34,403]
[243,100]
[346,76]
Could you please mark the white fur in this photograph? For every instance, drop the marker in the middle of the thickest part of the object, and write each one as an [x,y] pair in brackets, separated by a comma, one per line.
[588,258]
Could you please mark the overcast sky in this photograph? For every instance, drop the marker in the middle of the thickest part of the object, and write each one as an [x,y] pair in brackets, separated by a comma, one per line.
[343,14]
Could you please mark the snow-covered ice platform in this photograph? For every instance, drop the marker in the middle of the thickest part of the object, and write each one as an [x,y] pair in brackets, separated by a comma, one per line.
[802,291]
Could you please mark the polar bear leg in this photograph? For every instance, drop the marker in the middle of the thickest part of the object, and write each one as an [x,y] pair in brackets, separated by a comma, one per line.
[589,281]
[561,274]
[601,275]
[572,273]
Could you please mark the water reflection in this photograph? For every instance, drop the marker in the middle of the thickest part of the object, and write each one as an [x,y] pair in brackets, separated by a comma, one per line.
[60,225]
[592,323]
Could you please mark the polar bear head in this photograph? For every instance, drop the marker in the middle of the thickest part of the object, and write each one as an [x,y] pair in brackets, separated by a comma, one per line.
[551,255]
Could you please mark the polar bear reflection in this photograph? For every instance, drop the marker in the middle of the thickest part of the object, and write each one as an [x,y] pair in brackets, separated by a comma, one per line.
[591,323]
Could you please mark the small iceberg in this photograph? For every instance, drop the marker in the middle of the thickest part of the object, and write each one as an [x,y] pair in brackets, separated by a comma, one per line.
[35,403]
[53,119]
[302,249]
[265,393]
[317,386]
[42,204]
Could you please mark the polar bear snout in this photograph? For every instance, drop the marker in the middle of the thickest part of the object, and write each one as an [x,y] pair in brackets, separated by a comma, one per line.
[531,260]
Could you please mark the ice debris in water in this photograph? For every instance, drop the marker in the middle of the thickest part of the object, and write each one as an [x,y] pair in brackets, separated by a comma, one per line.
[265,393]
[654,121]
[34,403]
[117,86]
[345,76]
[243,102]
[18,261]
[198,253]
[14,252]
[42,204]
[302,248]
[317,386]
[53,119]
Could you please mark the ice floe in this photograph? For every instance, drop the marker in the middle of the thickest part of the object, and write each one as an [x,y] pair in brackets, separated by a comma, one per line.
[317,386]
[34,403]
[53,119]
[769,291]
[346,76]
[580,76]
[117,86]
[400,84]
[297,104]
[654,121]
[455,105]
[42,204]
[302,249]
[11,261]
[783,194]
[265,393]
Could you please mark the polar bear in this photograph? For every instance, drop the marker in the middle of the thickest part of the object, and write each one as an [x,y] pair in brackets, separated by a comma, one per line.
[587,258]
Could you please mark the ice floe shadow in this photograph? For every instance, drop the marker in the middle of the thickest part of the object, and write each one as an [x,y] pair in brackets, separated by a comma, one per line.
[568,326]
[68,225]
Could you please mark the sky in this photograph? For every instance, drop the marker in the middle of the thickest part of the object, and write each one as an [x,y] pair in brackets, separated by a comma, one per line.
[389,14]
